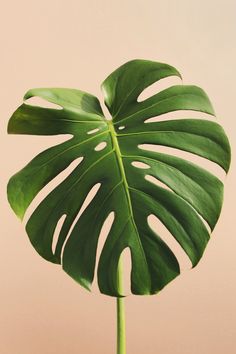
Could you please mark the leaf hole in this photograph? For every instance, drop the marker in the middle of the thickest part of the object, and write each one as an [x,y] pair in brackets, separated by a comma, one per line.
[121,127]
[200,161]
[50,186]
[158,86]
[181,114]
[106,227]
[40,102]
[207,226]
[93,131]
[57,232]
[139,164]
[163,185]
[90,196]
[158,227]
[37,143]
[105,109]
[100,146]
[156,181]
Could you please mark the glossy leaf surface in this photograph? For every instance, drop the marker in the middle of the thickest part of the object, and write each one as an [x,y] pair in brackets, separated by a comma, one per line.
[108,149]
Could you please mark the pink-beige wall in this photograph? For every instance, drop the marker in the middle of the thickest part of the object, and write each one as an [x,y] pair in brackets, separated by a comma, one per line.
[77,44]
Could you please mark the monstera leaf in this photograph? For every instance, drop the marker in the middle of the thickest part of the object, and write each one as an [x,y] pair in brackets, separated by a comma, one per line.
[110,150]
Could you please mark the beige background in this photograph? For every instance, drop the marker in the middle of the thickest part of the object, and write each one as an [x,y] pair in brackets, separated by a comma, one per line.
[77,44]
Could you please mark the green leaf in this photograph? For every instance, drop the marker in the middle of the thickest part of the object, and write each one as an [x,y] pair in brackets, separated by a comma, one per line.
[108,149]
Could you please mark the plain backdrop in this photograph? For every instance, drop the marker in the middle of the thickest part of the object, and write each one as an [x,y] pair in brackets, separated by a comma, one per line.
[77,44]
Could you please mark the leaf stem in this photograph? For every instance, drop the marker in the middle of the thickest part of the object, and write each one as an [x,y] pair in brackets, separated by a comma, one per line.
[120,306]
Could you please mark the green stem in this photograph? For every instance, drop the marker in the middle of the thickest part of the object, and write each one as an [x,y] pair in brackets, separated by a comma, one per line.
[121,338]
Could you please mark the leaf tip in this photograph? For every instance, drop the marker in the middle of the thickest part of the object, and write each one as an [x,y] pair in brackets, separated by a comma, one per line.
[28,95]
[78,278]
[16,208]
[14,199]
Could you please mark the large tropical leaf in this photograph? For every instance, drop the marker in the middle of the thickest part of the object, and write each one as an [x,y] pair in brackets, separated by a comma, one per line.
[193,196]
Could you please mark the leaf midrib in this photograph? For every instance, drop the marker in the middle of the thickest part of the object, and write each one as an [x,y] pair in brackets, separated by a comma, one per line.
[120,163]
[125,183]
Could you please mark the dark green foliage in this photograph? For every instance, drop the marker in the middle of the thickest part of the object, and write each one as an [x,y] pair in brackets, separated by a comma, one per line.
[193,192]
